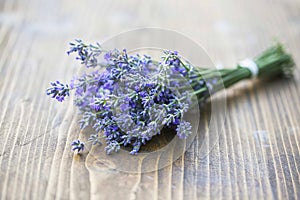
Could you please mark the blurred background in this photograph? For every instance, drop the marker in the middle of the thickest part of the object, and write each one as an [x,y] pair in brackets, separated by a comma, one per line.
[258,157]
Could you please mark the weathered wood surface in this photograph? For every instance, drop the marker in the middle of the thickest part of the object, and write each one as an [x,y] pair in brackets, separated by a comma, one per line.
[258,157]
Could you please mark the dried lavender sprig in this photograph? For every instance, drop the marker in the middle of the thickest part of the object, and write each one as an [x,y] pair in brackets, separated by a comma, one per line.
[58,91]
[87,54]
[77,145]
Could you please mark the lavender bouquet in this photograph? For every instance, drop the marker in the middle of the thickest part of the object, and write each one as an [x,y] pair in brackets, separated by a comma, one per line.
[128,99]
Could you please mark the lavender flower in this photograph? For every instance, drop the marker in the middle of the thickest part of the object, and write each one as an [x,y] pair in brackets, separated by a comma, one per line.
[112,146]
[77,145]
[86,53]
[184,129]
[59,91]
[132,100]
[133,97]
[94,139]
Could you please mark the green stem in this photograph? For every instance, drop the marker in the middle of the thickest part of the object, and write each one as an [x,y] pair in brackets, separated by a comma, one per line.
[272,62]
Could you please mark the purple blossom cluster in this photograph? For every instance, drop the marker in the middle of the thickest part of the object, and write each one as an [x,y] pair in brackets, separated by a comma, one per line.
[130,98]
[58,91]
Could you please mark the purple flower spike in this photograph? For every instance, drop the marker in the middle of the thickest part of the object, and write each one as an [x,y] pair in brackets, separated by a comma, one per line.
[77,145]
[59,91]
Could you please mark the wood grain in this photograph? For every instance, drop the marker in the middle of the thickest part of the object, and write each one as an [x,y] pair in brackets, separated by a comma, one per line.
[257,156]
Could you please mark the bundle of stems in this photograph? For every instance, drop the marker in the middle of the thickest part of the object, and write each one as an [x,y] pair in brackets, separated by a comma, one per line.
[273,62]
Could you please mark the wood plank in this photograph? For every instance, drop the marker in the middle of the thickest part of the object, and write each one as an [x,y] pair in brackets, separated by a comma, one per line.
[257,156]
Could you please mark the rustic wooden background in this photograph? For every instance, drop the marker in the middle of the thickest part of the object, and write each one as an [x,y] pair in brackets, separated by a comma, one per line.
[258,157]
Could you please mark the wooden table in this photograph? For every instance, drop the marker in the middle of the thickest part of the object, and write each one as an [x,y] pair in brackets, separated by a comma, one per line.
[257,157]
